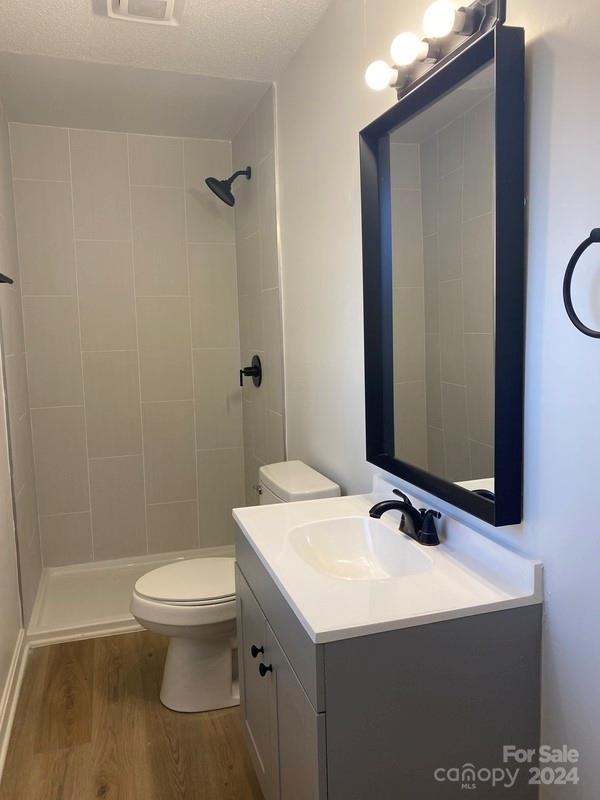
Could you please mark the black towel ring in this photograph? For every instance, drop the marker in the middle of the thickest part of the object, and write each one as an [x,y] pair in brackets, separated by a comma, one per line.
[593,238]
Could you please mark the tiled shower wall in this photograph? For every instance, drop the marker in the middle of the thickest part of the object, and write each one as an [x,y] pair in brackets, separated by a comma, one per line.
[15,376]
[443,278]
[408,281]
[457,184]
[259,291]
[128,279]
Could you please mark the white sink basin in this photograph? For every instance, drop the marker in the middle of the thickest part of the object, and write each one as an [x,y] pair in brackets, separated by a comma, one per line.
[358,549]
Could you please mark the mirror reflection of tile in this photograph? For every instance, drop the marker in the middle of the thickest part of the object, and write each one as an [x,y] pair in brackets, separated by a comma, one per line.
[443,274]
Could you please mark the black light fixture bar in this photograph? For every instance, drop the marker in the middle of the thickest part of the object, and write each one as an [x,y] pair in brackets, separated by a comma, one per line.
[479,18]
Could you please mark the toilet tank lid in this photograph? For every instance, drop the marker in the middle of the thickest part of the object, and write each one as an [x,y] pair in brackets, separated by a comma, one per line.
[294,480]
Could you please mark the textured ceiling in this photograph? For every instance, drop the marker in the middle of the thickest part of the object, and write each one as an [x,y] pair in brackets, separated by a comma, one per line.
[248,39]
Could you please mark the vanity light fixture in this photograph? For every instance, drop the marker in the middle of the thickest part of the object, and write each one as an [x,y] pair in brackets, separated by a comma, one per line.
[448,27]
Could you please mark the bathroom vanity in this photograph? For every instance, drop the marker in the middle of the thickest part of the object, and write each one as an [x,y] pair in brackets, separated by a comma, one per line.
[368,662]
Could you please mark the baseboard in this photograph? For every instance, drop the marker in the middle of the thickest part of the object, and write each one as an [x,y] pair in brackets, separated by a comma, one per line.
[10,695]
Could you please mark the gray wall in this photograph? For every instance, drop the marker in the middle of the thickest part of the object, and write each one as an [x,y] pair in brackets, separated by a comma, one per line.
[128,279]
[323,103]
[259,291]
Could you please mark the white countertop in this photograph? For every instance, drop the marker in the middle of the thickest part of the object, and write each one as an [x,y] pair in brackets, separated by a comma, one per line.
[469,574]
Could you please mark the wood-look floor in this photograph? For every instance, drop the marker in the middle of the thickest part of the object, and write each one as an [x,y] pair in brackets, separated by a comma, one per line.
[89,724]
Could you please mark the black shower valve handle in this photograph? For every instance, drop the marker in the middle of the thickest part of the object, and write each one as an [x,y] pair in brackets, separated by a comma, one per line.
[254,371]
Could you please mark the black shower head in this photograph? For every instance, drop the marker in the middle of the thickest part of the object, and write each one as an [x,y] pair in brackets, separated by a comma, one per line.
[222,188]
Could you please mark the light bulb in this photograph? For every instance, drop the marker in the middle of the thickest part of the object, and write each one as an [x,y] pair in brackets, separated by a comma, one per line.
[407,48]
[379,75]
[439,19]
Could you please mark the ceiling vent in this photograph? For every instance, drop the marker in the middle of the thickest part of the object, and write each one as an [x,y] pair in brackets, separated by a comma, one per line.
[156,12]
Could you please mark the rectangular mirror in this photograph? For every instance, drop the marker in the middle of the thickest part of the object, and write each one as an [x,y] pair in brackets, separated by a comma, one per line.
[442,183]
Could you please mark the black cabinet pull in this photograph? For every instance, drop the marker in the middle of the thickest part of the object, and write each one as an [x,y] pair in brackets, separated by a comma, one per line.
[263,670]
[254,650]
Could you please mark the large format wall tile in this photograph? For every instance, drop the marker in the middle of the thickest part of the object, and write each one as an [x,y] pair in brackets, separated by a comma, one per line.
[478,267]
[456,445]
[172,526]
[479,359]
[66,539]
[45,232]
[273,349]
[28,538]
[269,268]
[169,451]
[208,218]
[218,398]
[155,160]
[479,174]
[410,423]
[404,166]
[451,146]
[213,289]
[165,348]
[60,459]
[458,221]
[106,299]
[260,319]
[53,351]
[409,334]
[11,311]
[113,226]
[264,125]
[112,400]
[99,165]
[118,510]
[452,332]
[159,241]
[40,152]
[407,238]
[220,488]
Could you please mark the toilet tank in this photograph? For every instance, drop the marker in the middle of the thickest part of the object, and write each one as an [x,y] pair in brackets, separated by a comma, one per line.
[290,481]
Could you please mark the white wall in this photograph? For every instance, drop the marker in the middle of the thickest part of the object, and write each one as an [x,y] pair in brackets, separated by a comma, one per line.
[323,103]
[10,609]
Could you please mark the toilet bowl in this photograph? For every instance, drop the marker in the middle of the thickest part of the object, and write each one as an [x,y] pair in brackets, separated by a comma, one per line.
[193,603]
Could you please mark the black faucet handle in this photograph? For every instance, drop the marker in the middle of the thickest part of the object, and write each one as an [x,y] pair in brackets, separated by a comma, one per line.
[404,497]
[429,534]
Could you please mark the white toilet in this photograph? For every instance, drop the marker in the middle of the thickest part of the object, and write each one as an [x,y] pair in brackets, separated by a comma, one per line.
[193,602]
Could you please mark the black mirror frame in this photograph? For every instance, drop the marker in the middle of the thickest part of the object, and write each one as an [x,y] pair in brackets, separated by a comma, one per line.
[504,46]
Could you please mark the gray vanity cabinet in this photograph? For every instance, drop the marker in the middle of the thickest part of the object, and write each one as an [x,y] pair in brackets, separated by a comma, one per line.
[282,730]
[374,717]
[255,691]
[299,732]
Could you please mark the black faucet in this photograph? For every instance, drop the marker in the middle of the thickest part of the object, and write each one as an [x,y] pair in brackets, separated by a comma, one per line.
[418,523]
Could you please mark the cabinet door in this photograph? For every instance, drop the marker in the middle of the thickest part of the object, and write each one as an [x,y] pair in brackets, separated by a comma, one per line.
[300,732]
[256,692]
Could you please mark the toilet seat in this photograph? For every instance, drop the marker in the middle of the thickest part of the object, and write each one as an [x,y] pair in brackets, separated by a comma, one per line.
[194,582]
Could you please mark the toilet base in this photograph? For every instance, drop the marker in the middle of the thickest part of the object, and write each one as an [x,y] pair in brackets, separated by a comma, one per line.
[200,674]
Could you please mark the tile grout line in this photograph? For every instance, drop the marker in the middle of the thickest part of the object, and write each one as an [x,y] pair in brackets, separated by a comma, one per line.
[189,284]
[85,425]
[137,339]
[20,283]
